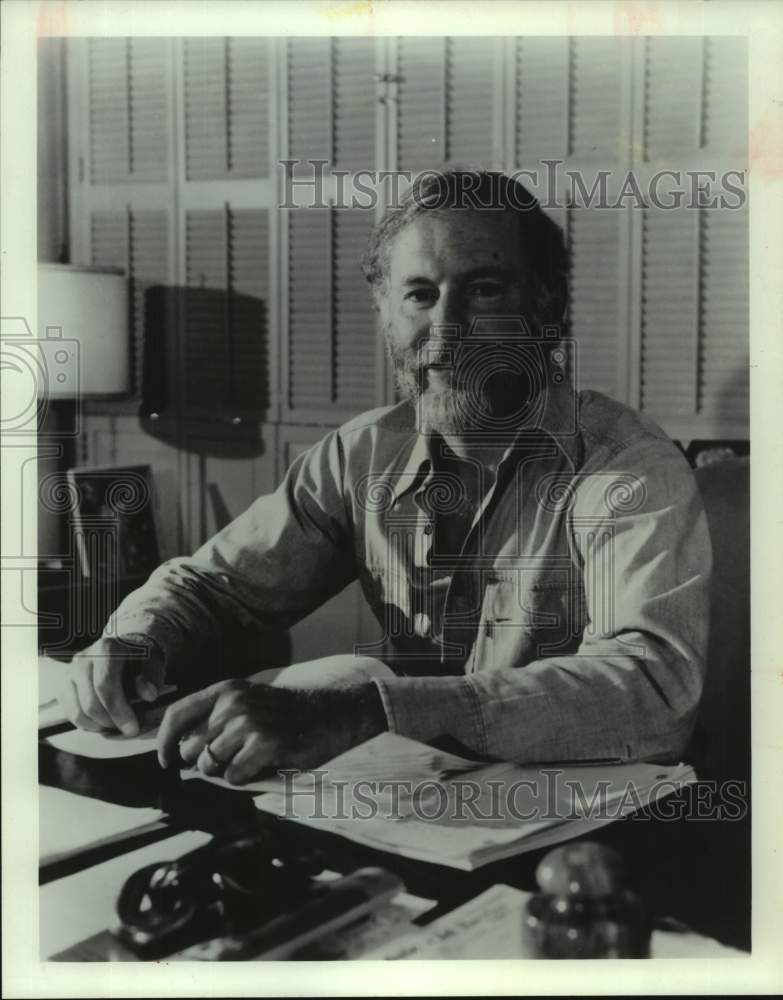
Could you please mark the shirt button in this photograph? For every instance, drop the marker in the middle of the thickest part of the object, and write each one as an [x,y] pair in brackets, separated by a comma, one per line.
[422,624]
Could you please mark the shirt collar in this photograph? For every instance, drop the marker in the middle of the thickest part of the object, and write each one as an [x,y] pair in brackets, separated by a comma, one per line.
[558,420]
[417,467]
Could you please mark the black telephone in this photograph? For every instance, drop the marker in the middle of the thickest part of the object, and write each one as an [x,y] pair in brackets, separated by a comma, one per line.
[225,887]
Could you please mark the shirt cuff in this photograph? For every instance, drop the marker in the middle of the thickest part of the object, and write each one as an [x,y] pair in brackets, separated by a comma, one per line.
[148,631]
[426,708]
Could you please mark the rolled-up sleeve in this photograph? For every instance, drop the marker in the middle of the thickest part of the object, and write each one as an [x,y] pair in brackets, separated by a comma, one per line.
[283,557]
[632,688]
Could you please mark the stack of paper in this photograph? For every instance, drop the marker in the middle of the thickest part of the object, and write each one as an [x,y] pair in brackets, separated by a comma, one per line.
[445,809]
[71,823]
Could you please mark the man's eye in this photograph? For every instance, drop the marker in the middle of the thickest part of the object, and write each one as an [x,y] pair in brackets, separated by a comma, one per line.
[487,290]
[421,296]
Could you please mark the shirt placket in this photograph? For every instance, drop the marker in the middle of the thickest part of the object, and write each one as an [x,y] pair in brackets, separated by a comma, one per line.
[422,608]
[462,606]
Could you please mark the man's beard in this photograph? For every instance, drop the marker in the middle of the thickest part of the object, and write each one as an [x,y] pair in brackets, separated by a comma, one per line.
[476,393]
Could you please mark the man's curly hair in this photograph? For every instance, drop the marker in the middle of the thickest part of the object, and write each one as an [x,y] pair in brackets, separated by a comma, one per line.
[543,250]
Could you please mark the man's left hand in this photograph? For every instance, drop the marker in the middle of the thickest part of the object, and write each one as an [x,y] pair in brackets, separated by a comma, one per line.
[242,731]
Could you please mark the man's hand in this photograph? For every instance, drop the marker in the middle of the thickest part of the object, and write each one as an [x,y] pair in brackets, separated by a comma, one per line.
[92,689]
[241,730]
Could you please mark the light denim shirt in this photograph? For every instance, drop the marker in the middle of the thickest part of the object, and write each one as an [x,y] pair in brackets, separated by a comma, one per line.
[559,612]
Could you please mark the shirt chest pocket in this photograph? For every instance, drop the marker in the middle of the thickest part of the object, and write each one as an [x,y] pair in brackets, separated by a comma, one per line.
[532,621]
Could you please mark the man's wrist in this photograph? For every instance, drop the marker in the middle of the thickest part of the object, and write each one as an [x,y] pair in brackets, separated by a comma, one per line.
[348,716]
[370,712]
[155,654]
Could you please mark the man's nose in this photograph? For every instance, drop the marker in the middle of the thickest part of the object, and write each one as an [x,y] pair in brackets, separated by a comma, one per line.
[447,316]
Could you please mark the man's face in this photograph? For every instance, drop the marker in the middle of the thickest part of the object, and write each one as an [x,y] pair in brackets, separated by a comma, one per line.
[450,307]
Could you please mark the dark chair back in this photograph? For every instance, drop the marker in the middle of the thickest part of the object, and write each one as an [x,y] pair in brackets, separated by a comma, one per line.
[721,744]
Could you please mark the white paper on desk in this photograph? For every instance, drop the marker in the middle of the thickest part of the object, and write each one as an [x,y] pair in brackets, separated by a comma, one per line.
[113,745]
[499,823]
[68,822]
[77,906]
[489,926]
[104,746]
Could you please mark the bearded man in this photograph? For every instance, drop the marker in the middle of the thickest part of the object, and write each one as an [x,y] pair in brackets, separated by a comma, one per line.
[537,557]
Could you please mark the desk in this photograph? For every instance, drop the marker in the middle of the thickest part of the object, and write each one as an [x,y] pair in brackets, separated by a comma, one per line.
[697,872]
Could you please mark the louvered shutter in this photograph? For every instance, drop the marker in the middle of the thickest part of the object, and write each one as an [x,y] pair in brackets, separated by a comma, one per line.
[128,109]
[226,372]
[670,312]
[310,309]
[695,315]
[149,266]
[595,322]
[354,335]
[137,243]
[723,386]
[249,308]
[226,108]
[205,107]
[331,102]
[541,99]
[310,122]
[421,136]
[332,344]
[446,102]
[696,97]
[726,96]
[694,337]
[354,103]
[109,239]
[596,76]
[673,96]
[249,98]
[469,118]
[206,382]
[149,116]
[108,110]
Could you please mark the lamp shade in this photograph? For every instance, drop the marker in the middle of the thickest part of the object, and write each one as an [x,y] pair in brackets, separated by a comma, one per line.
[83,330]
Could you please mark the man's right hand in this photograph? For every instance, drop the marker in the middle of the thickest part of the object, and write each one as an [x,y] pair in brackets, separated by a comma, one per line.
[93,688]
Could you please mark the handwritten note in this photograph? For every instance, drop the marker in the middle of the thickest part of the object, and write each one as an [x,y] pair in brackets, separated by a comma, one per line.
[489,926]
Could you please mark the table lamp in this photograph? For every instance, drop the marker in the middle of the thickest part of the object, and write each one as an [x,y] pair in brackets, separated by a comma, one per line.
[83,331]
